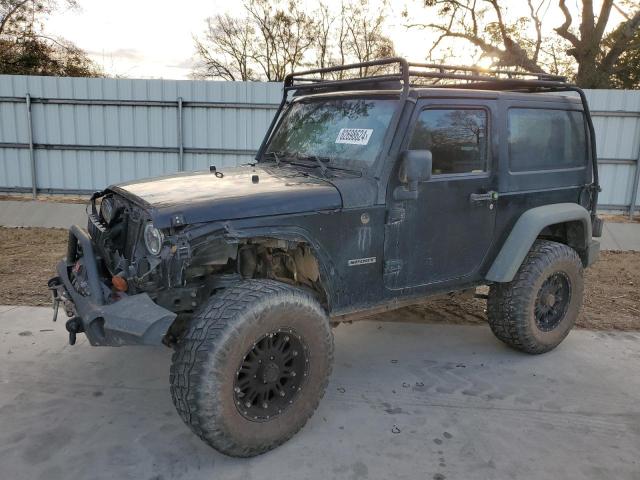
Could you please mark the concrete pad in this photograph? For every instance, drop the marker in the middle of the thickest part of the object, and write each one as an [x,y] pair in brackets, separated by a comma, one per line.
[620,236]
[405,401]
[41,214]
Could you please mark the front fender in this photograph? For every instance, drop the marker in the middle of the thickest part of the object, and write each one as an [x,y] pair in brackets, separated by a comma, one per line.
[525,232]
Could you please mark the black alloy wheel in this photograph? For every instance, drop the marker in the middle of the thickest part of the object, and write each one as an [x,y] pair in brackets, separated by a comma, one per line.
[271,375]
[552,301]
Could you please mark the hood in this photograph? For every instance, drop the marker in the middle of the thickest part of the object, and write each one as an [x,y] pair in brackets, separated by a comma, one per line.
[204,197]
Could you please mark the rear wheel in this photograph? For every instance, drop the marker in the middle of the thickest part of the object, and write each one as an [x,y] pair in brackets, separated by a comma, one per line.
[535,312]
[252,367]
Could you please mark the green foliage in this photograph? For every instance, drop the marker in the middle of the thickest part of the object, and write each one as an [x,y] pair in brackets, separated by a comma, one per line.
[584,46]
[626,72]
[25,50]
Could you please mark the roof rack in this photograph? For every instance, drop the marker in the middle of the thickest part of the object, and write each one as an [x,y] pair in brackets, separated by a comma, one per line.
[398,73]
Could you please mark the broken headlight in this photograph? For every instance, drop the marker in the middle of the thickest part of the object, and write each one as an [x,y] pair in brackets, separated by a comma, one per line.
[153,239]
[107,210]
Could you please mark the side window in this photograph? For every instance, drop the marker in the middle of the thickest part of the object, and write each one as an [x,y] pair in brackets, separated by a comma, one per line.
[457,139]
[541,139]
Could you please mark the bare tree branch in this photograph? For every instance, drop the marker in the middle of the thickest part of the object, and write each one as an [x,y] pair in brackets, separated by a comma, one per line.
[563,30]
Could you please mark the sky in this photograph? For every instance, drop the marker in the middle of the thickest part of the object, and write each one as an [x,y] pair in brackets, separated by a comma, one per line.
[154,38]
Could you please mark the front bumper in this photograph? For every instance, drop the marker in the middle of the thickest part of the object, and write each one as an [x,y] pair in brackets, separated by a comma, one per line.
[132,320]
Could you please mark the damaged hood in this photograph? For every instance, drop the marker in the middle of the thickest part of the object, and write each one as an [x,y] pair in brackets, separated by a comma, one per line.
[234,193]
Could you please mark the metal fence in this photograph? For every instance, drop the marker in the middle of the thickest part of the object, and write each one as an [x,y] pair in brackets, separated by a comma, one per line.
[77,135]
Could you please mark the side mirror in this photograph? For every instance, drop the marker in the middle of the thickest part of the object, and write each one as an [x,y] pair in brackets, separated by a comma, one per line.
[415,167]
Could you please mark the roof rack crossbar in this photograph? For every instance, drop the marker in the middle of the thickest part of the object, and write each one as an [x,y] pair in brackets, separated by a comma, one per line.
[301,80]
[486,71]
[515,84]
[347,81]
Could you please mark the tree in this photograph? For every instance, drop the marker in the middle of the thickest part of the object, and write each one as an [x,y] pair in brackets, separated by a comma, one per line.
[626,72]
[26,50]
[594,47]
[227,48]
[359,36]
[267,43]
[273,39]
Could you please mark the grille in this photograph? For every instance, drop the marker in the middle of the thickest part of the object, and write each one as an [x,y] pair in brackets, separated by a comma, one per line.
[121,237]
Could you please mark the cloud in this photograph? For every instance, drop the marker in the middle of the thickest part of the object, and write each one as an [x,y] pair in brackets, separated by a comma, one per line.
[120,53]
[188,63]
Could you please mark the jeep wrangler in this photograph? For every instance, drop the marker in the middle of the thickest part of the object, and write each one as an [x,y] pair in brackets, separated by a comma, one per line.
[377,185]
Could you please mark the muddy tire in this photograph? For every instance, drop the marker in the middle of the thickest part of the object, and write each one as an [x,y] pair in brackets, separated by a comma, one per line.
[535,312]
[252,367]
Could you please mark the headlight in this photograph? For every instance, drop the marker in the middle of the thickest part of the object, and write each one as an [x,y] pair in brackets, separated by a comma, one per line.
[153,239]
[107,209]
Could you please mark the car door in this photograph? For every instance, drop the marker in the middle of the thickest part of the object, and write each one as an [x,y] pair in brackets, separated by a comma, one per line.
[444,234]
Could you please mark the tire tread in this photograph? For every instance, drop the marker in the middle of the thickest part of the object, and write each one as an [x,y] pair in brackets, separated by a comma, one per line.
[212,325]
[507,302]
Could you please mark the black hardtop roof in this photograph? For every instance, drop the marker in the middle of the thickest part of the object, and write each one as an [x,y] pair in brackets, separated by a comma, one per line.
[412,80]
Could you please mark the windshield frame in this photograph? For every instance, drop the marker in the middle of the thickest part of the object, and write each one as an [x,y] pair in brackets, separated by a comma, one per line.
[371,169]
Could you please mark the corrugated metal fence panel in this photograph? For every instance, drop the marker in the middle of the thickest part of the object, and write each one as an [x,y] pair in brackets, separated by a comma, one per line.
[125,126]
[618,139]
[112,142]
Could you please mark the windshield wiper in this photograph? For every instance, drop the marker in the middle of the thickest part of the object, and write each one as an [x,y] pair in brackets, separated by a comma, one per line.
[277,155]
[274,155]
[319,161]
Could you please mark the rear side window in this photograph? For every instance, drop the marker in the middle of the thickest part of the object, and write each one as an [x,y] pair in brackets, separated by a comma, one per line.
[541,139]
[457,139]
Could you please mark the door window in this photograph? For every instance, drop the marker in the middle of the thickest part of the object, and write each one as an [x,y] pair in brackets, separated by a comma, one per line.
[457,139]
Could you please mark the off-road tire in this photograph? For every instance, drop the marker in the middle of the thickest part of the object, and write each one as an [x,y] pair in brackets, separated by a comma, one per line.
[511,306]
[206,362]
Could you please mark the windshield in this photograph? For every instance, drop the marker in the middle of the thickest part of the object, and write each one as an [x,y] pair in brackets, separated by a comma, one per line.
[337,131]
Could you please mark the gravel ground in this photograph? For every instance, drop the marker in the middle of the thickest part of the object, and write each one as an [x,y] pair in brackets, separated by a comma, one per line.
[612,296]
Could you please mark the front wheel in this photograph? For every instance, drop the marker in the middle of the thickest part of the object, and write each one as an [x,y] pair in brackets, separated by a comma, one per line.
[252,367]
[536,310]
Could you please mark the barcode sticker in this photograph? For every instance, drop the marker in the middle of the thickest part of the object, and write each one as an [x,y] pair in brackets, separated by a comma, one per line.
[354,136]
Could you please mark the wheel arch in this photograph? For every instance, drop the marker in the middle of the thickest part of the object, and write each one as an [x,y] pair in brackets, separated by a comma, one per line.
[567,223]
[297,234]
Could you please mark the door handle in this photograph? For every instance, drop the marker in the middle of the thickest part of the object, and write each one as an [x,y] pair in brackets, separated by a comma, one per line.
[490,196]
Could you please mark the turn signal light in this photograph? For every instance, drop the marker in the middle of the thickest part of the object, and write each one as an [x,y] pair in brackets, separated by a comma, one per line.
[119,284]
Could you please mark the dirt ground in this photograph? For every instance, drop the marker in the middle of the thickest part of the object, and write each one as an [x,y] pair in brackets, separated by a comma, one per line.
[79,199]
[612,295]
[622,218]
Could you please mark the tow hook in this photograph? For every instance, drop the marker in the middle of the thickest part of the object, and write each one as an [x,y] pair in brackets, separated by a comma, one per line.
[74,326]
[53,285]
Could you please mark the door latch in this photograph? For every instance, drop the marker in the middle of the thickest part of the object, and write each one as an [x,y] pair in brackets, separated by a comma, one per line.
[490,196]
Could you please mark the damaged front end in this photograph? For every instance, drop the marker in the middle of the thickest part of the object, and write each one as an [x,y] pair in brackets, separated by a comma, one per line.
[125,282]
[106,317]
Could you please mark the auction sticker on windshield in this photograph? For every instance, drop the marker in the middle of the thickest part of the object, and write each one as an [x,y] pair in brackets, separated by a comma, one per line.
[354,136]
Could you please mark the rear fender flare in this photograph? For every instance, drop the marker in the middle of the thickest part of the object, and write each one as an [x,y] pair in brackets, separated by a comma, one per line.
[525,232]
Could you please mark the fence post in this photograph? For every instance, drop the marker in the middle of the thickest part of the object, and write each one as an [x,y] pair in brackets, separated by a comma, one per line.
[180,139]
[32,157]
[634,190]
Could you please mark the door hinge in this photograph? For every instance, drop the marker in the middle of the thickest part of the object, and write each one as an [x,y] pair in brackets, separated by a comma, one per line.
[395,215]
[392,267]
